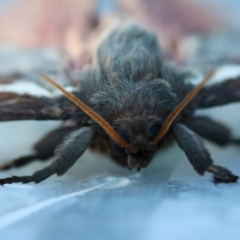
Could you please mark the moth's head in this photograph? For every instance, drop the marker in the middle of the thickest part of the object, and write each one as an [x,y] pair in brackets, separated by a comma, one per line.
[139,134]
[137,112]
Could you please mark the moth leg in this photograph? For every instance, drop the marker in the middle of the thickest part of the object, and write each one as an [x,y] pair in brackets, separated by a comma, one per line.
[18,162]
[198,155]
[211,130]
[220,93]
[44,149]
[68,153]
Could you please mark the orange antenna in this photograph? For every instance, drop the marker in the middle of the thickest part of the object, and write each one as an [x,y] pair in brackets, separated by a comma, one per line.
[180,107]
[103,123]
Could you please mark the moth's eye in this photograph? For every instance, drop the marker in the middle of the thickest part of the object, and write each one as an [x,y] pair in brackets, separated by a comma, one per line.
[153,131]
[115,146]
[123,134]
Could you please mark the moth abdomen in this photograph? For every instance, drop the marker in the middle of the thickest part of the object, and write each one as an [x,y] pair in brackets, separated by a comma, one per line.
[133,48]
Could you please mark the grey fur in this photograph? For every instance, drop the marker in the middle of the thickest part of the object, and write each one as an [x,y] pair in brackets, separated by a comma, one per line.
[133,89]
[72,148]
[193,147]
[46,146]
[198,155]
[120,48]
[43,150]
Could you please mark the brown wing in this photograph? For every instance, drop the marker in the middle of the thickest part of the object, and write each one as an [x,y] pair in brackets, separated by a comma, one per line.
[25,107]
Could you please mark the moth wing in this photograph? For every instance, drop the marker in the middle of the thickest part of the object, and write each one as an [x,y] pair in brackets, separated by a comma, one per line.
[23,99]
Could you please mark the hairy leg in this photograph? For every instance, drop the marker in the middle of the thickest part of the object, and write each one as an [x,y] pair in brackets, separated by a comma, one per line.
[198,155]
[68,153]
[211,130]
[44,149]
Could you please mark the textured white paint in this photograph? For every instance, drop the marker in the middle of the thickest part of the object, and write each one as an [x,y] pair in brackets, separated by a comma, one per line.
[25,87]
[222,74]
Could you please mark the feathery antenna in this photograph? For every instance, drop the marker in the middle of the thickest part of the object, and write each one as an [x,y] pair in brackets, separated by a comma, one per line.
[97,118]
[181,106]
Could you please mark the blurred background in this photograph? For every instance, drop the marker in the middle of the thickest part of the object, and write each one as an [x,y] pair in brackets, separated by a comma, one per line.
[97,199]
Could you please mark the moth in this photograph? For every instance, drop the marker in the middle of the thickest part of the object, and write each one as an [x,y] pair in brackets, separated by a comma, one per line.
[127,105]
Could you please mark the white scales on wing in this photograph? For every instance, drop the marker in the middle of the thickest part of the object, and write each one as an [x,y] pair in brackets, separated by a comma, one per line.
[22,87]
[222,74]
